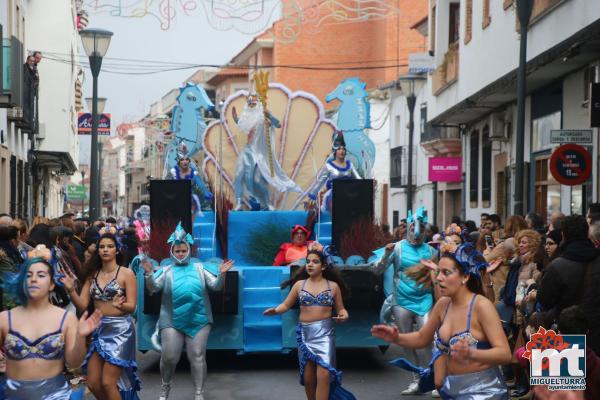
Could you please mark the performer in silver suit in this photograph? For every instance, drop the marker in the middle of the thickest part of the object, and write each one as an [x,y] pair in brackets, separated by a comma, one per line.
[257,167]
[409,304]
[183,283]
[336,167]
[465,328]
[34,368]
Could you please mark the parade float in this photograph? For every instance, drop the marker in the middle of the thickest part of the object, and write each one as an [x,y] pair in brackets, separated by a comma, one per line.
[262,160]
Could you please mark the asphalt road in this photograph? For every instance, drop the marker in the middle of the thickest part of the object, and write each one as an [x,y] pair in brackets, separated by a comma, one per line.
[275,376]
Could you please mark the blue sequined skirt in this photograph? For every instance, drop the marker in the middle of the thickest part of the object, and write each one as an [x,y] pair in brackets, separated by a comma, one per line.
[316,343]
[55,388]
[483,385]
[114,341]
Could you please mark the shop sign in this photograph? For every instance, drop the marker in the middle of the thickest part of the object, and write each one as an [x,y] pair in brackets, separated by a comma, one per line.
[445,169]
[420,63]
[84,124]
[571,164]
[576,136]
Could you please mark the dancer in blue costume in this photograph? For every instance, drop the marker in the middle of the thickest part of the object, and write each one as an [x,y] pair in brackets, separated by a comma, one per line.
[336,167]
[409,304]
[34,368]
[185,314]
[466,329]
[318,289]
[201,195]
[110,363]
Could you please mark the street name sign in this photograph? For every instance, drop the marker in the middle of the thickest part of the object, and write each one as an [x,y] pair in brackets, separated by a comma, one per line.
[576,136]
[76,192]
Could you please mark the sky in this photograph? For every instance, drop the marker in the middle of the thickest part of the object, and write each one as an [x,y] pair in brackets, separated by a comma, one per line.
[189,39]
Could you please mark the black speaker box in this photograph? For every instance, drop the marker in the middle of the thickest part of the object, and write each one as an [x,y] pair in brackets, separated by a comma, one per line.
[352,200]
[171,201]
[225,301]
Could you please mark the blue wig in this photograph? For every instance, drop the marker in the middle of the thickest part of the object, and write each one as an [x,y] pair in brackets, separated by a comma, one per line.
[469,259]
[15,284]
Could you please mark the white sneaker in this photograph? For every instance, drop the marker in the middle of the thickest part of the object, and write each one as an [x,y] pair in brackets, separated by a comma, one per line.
[164,391]
[413,388]
[435,394]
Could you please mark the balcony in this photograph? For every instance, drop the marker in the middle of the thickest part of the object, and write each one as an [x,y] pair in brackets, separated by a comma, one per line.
[441,141]
[11,93]
[447,73]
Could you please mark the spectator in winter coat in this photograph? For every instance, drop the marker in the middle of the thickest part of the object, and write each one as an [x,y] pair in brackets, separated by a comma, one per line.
[574,277]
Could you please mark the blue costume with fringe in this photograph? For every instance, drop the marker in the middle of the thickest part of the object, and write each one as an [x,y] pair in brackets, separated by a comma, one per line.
[316,343]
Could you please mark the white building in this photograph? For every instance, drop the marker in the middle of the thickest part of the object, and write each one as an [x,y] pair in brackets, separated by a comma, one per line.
[475,44]
[15,126]
[57,148]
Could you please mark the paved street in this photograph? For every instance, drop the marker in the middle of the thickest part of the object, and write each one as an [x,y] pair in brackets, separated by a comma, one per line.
[275,376]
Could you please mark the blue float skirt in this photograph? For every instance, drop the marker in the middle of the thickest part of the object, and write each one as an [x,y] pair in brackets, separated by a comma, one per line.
[55,388]
[316,342]
[483,385]
[114,341]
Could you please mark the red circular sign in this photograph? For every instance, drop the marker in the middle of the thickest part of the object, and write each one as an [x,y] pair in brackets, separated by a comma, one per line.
[571,164]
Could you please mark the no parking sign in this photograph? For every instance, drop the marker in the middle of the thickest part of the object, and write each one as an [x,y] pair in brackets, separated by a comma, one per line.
[571,164]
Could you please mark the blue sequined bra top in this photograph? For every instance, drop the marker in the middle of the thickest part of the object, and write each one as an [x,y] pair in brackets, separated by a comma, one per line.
[110,291]
[466,334]
[50,346]
[323,299]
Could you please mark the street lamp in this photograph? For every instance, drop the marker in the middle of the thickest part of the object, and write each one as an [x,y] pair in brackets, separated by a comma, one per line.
[100,109]
[410,85]
[83,199]
[95,42]
[524,9]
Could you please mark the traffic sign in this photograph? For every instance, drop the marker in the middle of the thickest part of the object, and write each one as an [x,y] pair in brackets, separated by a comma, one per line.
[571,164]
[76,192]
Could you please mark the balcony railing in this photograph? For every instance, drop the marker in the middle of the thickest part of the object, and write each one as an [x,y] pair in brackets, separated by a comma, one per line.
[11,94]
[447,73]
[441,140]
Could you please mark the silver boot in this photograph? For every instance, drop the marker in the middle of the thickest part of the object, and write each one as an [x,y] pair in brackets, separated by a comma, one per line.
[165,388]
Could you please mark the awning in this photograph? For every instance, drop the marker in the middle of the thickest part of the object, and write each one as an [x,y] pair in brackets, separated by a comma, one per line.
[57,160]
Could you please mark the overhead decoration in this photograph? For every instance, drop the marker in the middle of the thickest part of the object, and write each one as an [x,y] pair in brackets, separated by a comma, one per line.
[251,17]
[302,141]
[353,117]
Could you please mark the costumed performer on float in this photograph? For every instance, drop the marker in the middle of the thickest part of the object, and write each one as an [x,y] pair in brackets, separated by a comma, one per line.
[336,167]
[466,363]
[257,167]
[201,195]
[34,368]
[296,249]
[318,290]
[110,364]
[410,301]
[185,312]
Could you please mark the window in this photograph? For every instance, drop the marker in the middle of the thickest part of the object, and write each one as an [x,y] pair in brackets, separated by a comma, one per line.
[589,77]
[487,18]
[474,169]
[547,190]
[468,21]
[541,130]
[395,219]
[486,167]
[454,24]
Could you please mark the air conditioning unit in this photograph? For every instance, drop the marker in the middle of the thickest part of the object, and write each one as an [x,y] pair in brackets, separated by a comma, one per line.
[498,127]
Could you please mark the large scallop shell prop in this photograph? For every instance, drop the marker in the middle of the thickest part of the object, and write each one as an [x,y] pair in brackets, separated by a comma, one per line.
[302,144]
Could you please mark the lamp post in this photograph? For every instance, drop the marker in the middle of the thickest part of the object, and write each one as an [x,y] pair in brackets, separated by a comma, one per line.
[83,199]
[95,42]
[524,8]
[410,84]
[101,104]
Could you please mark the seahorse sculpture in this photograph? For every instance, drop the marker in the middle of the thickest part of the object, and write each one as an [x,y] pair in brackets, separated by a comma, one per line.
[353,117]
[188,123]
